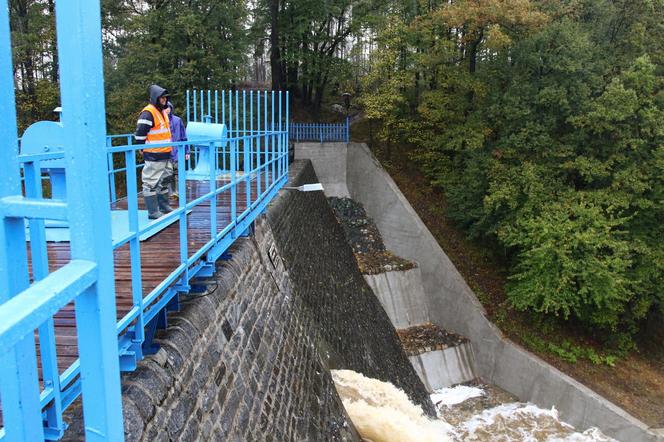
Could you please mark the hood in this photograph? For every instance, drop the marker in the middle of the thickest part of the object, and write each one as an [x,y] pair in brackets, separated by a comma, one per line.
[156,92]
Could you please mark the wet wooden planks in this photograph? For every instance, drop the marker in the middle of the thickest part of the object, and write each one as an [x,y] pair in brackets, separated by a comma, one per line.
[160,256]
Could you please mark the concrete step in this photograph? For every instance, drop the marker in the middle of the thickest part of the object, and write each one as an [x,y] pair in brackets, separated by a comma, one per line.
[445,368]
[440,358]
[402,296]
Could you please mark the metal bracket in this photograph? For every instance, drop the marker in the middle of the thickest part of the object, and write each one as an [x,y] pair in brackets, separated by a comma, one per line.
[160,321]
[130,351]
[52,433]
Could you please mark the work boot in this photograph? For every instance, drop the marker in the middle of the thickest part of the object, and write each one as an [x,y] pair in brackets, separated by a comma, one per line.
[164,207]
[152,205]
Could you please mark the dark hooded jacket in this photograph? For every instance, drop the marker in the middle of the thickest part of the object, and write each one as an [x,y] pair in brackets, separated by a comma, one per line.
[155,92]
[145,123]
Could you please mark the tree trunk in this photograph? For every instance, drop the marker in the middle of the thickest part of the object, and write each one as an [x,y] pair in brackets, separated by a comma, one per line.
[275,53]
[55,66]
[472,52]
[320,91]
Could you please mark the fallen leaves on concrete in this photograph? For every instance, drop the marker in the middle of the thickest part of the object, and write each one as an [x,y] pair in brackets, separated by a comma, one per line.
[365,239]
[428,337]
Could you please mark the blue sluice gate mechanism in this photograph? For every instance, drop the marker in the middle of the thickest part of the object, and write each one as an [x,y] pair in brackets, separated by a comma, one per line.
[198,131]
[48,137]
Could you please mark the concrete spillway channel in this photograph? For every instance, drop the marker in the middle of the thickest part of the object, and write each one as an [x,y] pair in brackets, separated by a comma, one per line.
[402,296]
[437,293]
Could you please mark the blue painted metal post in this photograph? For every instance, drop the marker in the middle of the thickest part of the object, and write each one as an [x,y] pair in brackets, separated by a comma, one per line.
[258,145]
[135,254]
[237,127]
[281,139]
[209,102]
[230,124]
[247,154]
[251,131]
[83,118]
[18,365]
[267,148]
[47,344]
[188,114]
[182,202]
[213,186]
[287,129]
[195,106]
[111,170]
[202,103]
[216,106]
[273,140]
[233,148]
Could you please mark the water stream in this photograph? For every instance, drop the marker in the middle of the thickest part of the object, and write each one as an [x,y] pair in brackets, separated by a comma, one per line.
[383,413]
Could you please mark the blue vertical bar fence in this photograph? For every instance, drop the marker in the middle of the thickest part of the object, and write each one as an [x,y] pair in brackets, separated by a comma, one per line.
[320,132]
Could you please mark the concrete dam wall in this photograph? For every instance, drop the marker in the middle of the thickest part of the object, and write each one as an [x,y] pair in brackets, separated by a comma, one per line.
[250,358]
[351,170]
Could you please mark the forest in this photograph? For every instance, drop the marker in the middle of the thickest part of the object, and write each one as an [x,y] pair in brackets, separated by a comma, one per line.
[541,121]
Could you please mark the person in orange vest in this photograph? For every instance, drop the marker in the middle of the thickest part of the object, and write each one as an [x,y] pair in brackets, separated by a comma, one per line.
[153,128]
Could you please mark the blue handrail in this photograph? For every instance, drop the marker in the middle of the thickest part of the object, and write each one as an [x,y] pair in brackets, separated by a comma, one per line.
[131,327]
[321,132]
[88,277]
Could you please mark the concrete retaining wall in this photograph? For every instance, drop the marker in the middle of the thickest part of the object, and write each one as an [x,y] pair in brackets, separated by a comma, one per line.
[402,296]
[452,305]
[329,161]
[444,368]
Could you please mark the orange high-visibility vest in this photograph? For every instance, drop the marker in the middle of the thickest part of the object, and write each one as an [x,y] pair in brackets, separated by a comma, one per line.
[160,131]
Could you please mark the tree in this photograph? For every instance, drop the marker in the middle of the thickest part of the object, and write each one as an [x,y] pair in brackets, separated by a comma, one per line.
[178,44]
[542,123]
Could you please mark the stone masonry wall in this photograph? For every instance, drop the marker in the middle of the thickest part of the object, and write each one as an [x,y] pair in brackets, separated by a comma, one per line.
[249,359]
[356,332]
[239,364]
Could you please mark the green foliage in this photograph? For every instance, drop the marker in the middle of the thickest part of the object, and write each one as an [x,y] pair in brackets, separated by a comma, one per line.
[177,44]
[569,352]
[572,260]
[383,99]
[542,121]
[544,124]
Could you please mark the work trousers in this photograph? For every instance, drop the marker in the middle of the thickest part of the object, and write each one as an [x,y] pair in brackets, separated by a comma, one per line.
[174,181]
[157,177]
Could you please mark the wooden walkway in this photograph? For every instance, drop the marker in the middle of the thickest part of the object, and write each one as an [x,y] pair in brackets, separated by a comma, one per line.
[160,256]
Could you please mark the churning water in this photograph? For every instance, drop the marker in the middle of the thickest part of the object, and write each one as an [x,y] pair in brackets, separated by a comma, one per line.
[383,413]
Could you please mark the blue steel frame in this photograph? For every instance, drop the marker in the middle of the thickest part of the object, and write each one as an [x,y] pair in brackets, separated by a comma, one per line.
[322,132]
[106,346]
[261,156]
[88,278]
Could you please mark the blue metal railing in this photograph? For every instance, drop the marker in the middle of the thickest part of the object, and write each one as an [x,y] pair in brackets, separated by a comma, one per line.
[243,113]
[321,132]
[270,168]
[87,278]
[252,155]
[266,166]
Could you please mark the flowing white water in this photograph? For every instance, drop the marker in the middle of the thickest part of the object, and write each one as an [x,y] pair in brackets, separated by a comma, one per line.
[383,413]
[455,395]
